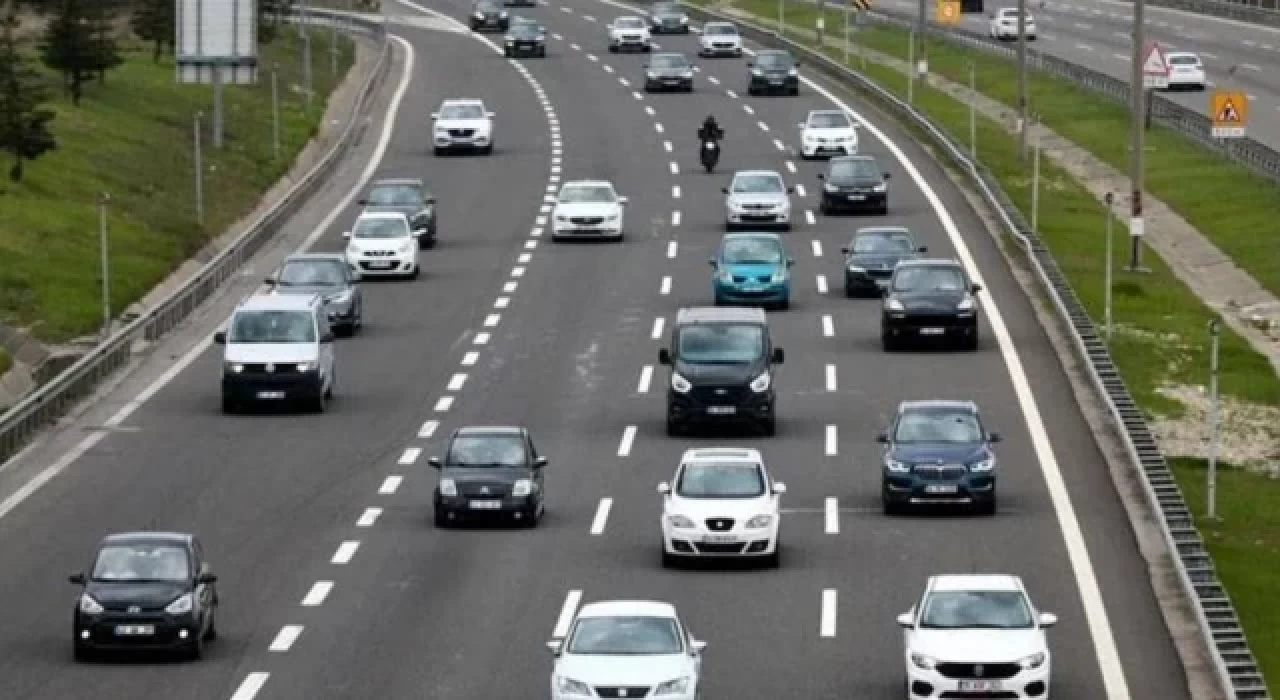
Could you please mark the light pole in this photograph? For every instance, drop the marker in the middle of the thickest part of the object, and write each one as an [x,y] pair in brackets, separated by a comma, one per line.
[199,168]
[1022,78]
[973,116]
[1106,303]
[275,110]
[103,200]
[1035,179]
[1215,329]
[1137,137]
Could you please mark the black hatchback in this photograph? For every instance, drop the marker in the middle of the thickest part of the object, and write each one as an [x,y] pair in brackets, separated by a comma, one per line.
[873,254]
[488,16]
[930,301]
[854,183]
[773,72]
[490,471]
[668,71]
[150,591]
[938,453]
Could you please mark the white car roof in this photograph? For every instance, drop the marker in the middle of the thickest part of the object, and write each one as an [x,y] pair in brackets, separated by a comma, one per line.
[627,608]
[382,215]
[717,454]
[744,173]
[975,582]
[462,101]
[1182,54]
[586,183]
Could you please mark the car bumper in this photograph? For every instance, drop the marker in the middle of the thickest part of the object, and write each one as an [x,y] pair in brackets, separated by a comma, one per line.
[468,507]
[462,143]
[655,84]
[1186,81]
[928,327]
[341,313]
[104,631]
[678,696]
[909,490]
[563,230]
[760,84]
[693,542]
[670,28]
[524,48]
[490,25]
[685,409]
[712,50]
[1027,685]
[816,150]
[861,201]
[736,218]
[301,386]
[1013,33]
[403,264]
[765,293]
[630,43]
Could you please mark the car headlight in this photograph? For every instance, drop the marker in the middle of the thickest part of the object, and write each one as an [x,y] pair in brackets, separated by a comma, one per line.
[680,384]
[562,219]
[810,138]
[448,487]
[510,40]
[234,367]
[894,465]
[406,248]
[1036,660]
[830,188]
[340,298]
[892,304]
[651,75]
[965,304]
[353,251]
[726,276]
[681,522]
[611,217]
[760,521]
[522,487]
[502,15]
[734,205]
[479,15]
[779,277]
[921,661]
[757,72]
[880,188]
[89,606]
[688,73]
[793,72]
[181,606]
[306,366]
[673,687]
[855,268]
[684,20]
[761,383]
[568,686]
[985,464]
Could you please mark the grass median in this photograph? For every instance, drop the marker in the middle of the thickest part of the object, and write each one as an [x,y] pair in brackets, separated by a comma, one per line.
[132,138]
[1160,323]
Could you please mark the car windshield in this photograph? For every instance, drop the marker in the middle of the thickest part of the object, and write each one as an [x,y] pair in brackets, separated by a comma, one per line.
[854,169]
[829,120]
[999,610]
[774,60]
[1184,61]
[587,193]
[746,251]
[664,7]
[924,278]
[524,31]
[719,30]
[626,635]
[938,426]
[142,562]
[487,451]
[669,60]
[313,273]
[487,7]
[763,183]
[380,228]
[1013,14]
[720,343]
[722,480]
[272,327]
[884,242]
[462,112]
[629,23]
[395,196]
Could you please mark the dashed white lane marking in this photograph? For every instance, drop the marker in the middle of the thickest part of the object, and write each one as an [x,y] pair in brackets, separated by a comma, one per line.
[747,109]
[666,146]
[791,166]
[456,381]
[1250,66]
[649,110]
[602,516]
[410,454]
[624,82]
[492,320]
[832,515]
[675,189]
[567,611]
[444,403]
[672,248]
[817,248]
[346,551]
[481,339]
[646,378]
[731,94]
[827,627]
[658,127]
[468,360]
[830,440]
[637,95]
[713,80]
[665,288]
[1249,42]
[517,271]
[628,439]
[503,302]
[821,281]
[831,377]
[1082,25]
[369,517]
[763,126]
[607,68]
[589,18]
[658,323]
[558,37]
[1120,57]
[252,683]
[575,47]
[675,218]
[1084,47]
[319,591]
[430,427]
[531,243]
[565,10]
[285,638]
[675,168]
[390,485]
[778,144]
[592,57]
[828,326]
[809,218]
[800,191]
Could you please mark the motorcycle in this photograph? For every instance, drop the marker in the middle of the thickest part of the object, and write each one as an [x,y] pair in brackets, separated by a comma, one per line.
[710,154]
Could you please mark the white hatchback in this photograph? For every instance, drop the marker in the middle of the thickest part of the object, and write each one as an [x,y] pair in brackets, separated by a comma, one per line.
[719,39]
[587,209]
[382,243]
[629,33]
[828,132]
[1186,71]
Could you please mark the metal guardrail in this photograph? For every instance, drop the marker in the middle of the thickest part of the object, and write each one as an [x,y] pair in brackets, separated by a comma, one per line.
[1256,12]
[1237,670]
[54,399]
[1256,155]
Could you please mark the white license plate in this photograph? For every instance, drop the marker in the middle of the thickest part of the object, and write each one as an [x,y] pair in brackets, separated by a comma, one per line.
[722,410]
[720,539]
[932,331]
[979,686]
[135,630]
[940,488]
[882,283]
[856,197]
[486,505]
[775,82]
[271,394]
[380,264]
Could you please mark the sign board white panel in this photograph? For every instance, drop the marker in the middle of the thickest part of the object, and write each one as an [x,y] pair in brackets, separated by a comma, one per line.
[217,35]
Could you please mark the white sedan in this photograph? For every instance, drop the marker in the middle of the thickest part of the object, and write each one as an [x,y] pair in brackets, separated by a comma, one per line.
[1004,25]
[629,33]
[627,649]
[976,634]
[720,503]
[587,209]
[828,132]
[719,39]
[1185,71]
[382,243]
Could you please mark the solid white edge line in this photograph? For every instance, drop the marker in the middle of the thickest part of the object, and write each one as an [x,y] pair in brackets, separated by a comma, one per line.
[832,515]
[567,611]
[646,378]
[602,516]
[628,439]
[319,591]
[251,685]
[827,626]
[345,552]
[285,638]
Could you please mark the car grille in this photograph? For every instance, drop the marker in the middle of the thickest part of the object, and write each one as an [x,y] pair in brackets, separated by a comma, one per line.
[625,691]
[586,220]
[989,695]
[379,253]
[671,22]
[722,547]
[270,368]
[717,394]
[462,133]
[931,319]
[758,207]
[940,472]
[719,524]
[631,37]
[482,489]
[992,671]
[722,44]
[765,279]
[883,274]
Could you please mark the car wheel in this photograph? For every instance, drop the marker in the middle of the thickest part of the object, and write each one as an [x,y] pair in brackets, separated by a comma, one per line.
[542,52]
[784,305]
[438,151]
[795,91]
[774,561]
[647,48]
[506,52]
[212,633]
[669,560]
[824,209]
[230,406]
[752,91]
[320,403]
[884,211]
[441,520]
[769,426]
[417,270]
[891,508]
[988,507]
[81,653]
[786,227]
[195,650]
[888,342]
[674,429]
[613,49]
[970,343]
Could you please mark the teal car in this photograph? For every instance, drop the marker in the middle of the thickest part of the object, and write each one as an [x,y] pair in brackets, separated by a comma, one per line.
[753,269]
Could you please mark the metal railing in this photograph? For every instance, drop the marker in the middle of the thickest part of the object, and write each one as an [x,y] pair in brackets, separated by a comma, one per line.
[1237,670]
[53,400]
[1252,11]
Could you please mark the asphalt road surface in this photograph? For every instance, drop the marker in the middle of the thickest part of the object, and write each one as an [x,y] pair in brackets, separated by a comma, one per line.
[504,327]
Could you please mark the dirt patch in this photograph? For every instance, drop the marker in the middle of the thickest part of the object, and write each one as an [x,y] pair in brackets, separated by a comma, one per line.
[1249,434]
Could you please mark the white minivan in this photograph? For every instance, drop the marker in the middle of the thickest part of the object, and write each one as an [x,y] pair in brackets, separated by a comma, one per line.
[278,349]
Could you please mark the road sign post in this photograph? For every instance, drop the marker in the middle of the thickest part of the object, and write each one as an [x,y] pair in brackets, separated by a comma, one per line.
[1155,68]
[1229,110]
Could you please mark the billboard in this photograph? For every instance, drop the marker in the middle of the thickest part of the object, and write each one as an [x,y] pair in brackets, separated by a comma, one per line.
[217,35]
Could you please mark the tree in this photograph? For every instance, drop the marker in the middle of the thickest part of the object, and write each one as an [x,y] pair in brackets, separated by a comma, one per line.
[271,15]
[68,46]
[105,54]
[24,124]
[153,21]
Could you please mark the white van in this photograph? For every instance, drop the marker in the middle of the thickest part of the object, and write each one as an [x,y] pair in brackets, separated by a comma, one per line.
[279,348]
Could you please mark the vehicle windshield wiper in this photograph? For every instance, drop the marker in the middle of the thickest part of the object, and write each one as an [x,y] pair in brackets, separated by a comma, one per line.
[483,464]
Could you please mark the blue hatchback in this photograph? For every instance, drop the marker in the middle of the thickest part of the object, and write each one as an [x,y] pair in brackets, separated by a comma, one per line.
[752,268]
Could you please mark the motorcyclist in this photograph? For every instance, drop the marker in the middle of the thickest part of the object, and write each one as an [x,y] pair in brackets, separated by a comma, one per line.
[710,130]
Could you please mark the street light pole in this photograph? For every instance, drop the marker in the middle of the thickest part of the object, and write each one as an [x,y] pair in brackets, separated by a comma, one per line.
[1106,313]
[1215,329]
[103,200]
[973,117]
[1137,137]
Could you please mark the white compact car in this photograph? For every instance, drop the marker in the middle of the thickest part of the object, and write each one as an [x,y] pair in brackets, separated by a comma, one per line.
[757,198]
[462,125]
[1004,25]
[828,132]
[719,39]
[629,33]
[587,209]
[976,634]
[382,243]
[720,503]
[1186,71]
[627,649]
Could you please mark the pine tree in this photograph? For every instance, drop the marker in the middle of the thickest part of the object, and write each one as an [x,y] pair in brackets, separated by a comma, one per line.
[68,46]
[271,15]
[24,124]
[105,53]
[153,21]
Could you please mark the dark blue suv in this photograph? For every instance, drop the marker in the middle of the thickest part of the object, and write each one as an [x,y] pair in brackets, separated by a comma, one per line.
[938,453]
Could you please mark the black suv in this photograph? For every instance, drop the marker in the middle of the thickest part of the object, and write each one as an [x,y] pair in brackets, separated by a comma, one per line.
[773,72]
[668,71]
[722,366]
[667,18]
[938,452]
[410,197]
[854,183]
[487,15]
[328,275]
[873,254]
[489,471]
[929,300]
[525,38]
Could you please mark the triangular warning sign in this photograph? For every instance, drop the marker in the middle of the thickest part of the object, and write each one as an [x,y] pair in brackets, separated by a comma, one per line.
[1228,113]
[1154,63]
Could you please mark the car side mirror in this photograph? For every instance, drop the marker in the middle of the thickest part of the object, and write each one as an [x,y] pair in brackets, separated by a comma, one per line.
[664,356]
[77,578]
[490,115]
[435,115]
[975,288]
[327,337]
[845,250]
[724,190]
[623,200]
[433,462]
[791,190]
[791,262]
[883,438]
[712,262]
[699,646]
[206,577]
[994,437]
[822,176]
[346,234]
[905,620]
[539,462]
[1048,619]
[887,176]
[779,356]
[664,488]
[270,281]
[555,646]
[922,249]
[779,488]
[429,200]
[751,64]
[800,125]
[220,337]
[363,202]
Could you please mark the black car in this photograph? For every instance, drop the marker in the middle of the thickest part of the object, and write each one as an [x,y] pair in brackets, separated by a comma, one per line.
[938,453]
[668,71]
[872,255]
[328,275]
[410,197]
[489,16]
[151,591]
[525,39]
[667,18]
[722,364]
[489,471]
[854,183]
[929,300]
[773,72]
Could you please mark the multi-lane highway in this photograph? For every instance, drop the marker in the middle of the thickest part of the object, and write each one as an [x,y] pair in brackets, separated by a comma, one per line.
[334,582]
[1098,34]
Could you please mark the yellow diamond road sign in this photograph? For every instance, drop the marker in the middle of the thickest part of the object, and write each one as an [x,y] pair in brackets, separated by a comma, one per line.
[1229,110]
[947,12]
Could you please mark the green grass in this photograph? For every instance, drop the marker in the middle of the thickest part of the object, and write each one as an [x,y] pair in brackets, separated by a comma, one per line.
[132,138]
[5,362]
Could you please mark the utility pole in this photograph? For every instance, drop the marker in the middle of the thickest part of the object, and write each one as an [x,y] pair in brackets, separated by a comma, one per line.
[1022,78]
[1215,329]
[922,24]
[1106,312]
[103,200]
[199,168]
[1137,136]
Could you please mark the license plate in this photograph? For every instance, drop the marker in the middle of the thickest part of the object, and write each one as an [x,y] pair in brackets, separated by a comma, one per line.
[380,264]
[940,488]
[135,630]
[979,686]
[271,394]
[882,283]
[857,197]
[776,81]
[719,539]
[671,81]
[750,288]
[722,410]
[486,505]
[932,331]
